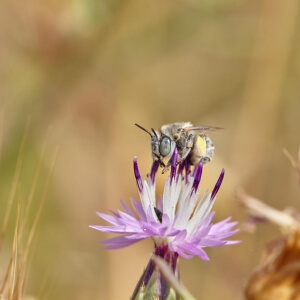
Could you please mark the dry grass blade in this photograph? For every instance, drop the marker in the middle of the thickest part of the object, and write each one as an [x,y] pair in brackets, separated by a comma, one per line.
[1,132]
[294,163]
[173,281]
[14,183]
[13,287]
[37,217]
[2,289]
[12,269]
[34,185]
[259,209]
[289,157]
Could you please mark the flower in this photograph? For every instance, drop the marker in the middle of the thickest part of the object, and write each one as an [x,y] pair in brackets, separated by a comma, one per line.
[178,223]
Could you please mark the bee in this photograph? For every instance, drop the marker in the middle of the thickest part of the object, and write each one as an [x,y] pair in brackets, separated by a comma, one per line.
[191,142]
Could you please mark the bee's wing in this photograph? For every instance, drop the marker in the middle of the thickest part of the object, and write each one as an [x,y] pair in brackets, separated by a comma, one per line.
[202,129]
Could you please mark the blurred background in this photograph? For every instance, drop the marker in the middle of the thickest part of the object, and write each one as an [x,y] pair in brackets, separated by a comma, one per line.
[79,74]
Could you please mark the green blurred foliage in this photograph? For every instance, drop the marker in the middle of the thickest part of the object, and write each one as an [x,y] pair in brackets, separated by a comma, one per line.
[84,72]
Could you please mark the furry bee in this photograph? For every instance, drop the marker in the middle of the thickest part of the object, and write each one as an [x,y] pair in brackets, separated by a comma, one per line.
[191,142]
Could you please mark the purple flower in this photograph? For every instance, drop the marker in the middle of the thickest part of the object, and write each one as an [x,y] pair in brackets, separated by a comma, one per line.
[178,223]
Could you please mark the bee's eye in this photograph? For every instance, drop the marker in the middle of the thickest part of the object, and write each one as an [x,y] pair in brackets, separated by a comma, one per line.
[165,146]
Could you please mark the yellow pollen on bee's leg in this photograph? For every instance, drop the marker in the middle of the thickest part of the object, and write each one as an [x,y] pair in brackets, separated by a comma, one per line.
[201,145]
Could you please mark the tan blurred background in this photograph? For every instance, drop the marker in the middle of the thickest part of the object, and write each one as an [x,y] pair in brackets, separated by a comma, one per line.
[83,72]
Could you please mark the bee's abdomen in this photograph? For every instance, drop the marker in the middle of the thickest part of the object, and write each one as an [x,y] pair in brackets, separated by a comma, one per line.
[210,149]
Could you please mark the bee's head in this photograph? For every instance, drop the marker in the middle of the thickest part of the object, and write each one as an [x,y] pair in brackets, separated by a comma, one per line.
[161,145]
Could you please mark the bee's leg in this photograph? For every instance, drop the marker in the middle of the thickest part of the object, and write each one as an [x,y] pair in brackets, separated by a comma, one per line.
[158,158]
[190,141]
[180,160]
[177,135]
[162,165]
[184,156]
[205,159]
[166,168]
[188,147]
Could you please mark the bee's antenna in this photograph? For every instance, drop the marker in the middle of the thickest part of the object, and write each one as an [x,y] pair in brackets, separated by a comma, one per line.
[139,126]
[154,132]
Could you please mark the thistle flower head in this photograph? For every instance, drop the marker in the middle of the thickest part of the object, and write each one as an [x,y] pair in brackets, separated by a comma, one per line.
[177,222]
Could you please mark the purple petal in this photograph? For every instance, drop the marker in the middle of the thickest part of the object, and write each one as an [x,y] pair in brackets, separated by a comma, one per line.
[193,250]
[150,229]
[181,253]
[127,209]
[212,243]
[180,168]
[165,220]
[180,236]
[127,218]
[110,219]
[200,233]
[112,229]
[151,216]
[173,232]
[187,171]
[137,175]
[154,169]
[139,209]
[223,235]
[224,225]
[217,186]
[173,165]
[202,254]
[233,242]
[162,231]
[166,229]
[114,213]
[118,242]
[197,178]
[138,236]
[207,220]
